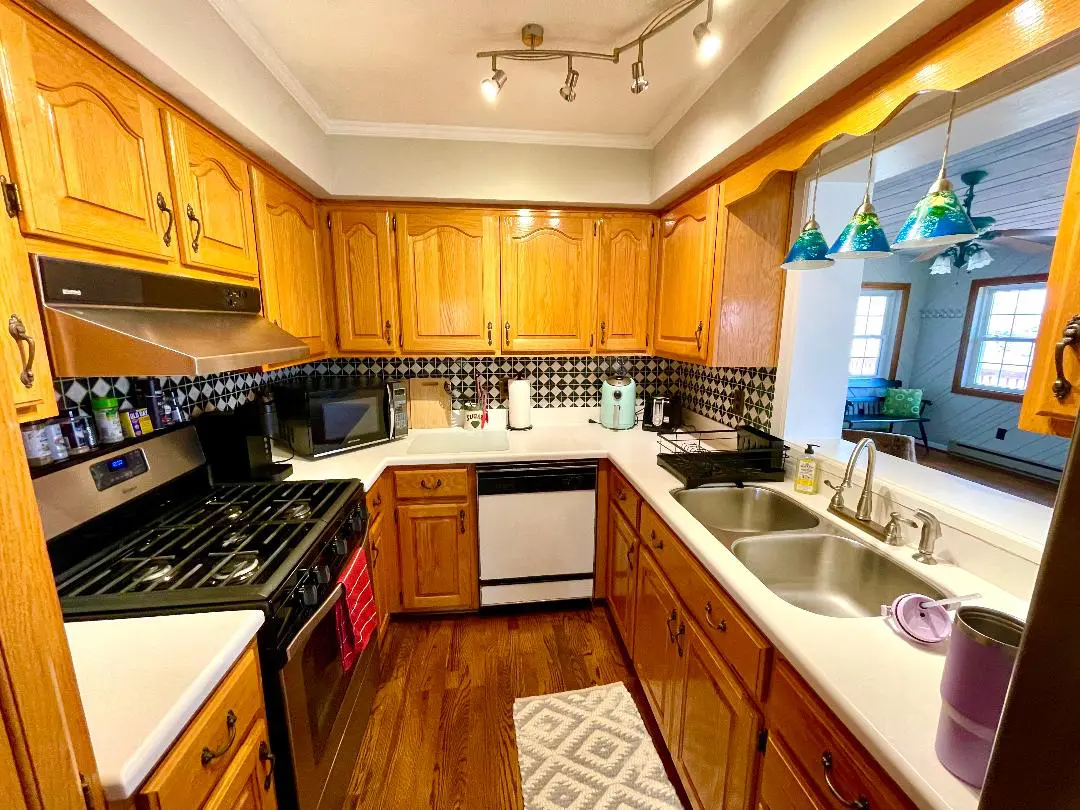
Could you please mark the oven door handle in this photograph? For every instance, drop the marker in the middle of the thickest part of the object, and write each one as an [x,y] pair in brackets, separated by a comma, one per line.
[297,644]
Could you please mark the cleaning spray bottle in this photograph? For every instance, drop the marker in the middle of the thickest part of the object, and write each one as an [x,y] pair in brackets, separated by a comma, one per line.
[807,472]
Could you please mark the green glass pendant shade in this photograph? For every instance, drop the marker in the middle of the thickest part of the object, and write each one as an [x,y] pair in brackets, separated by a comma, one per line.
[809,252]
[939,220]
[863,237]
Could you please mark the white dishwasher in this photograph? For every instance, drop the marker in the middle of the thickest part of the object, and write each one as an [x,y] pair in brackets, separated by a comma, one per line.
[537,530]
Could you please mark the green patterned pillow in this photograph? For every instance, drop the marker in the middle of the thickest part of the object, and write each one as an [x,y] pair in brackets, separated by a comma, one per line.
[902,402]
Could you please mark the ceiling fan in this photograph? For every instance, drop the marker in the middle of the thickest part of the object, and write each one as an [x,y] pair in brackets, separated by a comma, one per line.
[972,255]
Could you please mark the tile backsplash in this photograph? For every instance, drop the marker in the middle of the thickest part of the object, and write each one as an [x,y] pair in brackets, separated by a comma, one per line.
[558,382]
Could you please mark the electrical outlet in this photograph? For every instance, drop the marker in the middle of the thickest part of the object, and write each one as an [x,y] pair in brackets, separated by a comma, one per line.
[1001,433]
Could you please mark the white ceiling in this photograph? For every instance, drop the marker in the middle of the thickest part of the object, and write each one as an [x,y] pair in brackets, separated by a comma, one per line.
[410,69]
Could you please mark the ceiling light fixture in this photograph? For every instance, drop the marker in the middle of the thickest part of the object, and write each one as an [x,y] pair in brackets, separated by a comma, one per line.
[810,250]
[863,237]
[568,91]
[491,86]
[532,37]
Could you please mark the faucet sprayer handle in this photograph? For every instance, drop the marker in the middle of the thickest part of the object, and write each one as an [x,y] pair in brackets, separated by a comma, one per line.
[837,501]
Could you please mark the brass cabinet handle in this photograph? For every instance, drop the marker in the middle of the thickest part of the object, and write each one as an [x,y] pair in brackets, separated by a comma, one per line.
[266,755]
[374,554]
[657,544]
[163,208]
[198,227]
[603,332]
[861,803]
[461,520]
[209,756]
[427,486]
[17,330]
[489,332]
[375,504]
[629,559]
[620,495]
[678,639]
[697,333]
[386,328]
[674,617]
[506,326]
[721,625]
[1062,387]
[87,792]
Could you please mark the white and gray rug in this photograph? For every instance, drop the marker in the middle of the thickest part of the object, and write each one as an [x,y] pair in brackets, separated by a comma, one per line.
[589,750]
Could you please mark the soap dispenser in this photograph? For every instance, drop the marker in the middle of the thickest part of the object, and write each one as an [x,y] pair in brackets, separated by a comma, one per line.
[807,472]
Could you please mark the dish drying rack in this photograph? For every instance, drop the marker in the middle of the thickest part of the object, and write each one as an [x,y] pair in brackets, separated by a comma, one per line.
[693,457]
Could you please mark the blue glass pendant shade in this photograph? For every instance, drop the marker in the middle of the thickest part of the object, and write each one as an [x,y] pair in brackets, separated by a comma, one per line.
[939,220]
[809,251]
[863,237]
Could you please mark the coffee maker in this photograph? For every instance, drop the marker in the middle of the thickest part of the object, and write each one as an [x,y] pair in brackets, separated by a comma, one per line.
[237,443]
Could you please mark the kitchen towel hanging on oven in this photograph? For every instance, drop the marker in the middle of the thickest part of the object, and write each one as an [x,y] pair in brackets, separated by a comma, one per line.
[355,614]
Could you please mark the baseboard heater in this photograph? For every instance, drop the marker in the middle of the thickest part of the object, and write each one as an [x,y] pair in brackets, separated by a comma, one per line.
[1032,469]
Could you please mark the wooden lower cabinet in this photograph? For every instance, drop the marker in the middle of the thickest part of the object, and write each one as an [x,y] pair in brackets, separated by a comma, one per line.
[783,787]
[656,622]
[622,580]
[438,556]
[248,784]
[382,551]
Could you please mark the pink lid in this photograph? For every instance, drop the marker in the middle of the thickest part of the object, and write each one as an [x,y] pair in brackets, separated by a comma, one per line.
[929,625]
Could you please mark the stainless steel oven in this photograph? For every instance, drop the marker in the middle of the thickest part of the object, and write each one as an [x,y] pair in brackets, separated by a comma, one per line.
[319,416]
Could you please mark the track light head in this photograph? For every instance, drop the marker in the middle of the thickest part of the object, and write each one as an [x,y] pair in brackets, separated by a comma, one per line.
[569,89]
[708,43]
[638,84]
[491,86]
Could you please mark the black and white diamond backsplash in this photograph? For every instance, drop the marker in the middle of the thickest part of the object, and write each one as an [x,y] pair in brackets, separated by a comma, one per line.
[558,382]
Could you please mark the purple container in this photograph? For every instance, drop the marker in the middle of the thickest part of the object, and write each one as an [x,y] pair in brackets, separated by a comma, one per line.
[978,668]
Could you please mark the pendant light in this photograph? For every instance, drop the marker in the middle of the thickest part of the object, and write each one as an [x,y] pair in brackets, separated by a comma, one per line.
[939,220]
[863,237]
[809,251]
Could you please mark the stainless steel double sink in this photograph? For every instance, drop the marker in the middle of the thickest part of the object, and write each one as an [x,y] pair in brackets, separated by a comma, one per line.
[806,560]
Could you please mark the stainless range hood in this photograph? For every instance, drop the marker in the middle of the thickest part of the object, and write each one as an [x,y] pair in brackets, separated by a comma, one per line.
[105,321]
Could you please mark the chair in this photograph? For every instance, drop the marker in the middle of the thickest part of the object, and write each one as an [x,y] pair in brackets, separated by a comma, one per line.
[900,445]
[866,397]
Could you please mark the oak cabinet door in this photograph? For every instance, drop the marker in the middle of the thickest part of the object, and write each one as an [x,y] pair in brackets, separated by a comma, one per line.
[87,145]
[548,283]
[656,622]
[438,556]
[448,275]
[716,728]
[783,787]
[1052,400]
[625,251]
[622,575]
[684,285]
[248,784]
[212,188]
[288,246]
[364,279]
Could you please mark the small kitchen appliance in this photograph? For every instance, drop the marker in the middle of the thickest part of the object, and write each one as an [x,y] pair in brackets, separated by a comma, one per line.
[237,442]
[142,531]
[320,416]
[661,413]
[618,401]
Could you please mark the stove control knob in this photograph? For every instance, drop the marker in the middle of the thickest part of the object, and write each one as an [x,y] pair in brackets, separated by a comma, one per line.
[357,521]
[309,594]
[341,546]
[322,574]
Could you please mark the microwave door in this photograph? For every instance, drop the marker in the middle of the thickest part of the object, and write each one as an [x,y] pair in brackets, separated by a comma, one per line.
[355,420]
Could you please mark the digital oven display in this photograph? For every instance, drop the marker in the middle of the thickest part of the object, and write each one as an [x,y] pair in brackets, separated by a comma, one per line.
[116,470]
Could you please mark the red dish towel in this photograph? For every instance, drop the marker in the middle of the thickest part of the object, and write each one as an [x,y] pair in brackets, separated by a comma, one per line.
[355,615]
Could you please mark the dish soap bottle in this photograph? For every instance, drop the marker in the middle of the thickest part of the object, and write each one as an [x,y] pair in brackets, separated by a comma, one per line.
[807,478]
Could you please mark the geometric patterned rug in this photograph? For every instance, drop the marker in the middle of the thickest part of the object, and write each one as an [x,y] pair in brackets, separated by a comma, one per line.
[588,750]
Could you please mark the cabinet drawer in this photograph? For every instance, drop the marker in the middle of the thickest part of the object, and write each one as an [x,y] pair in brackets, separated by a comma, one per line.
[443,482]
[625,497]
[182,780]
[811,732]
[783,786]
[732,634]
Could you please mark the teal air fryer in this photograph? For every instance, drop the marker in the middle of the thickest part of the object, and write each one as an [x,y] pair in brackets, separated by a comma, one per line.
[617,401]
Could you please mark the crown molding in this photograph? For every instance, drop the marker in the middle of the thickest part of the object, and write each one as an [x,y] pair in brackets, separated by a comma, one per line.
[440,132]
[235,18]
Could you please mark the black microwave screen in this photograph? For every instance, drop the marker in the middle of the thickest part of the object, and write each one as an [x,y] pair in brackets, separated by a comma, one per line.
[345,420]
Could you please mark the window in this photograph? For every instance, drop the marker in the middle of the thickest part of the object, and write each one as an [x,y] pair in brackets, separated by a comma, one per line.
[879,326]
[998,341]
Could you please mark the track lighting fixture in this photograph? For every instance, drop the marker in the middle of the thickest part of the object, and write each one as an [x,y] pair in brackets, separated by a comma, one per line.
[532,37]
[568,91]
[491,86]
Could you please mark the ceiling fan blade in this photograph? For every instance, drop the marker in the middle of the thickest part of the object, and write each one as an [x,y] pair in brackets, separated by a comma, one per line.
[927,255]
[1043,236]
[1021,245]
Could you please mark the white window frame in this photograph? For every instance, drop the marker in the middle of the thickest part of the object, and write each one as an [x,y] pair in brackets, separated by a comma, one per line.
[890,329]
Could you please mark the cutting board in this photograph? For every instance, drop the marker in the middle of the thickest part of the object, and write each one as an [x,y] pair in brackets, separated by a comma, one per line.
[429,403]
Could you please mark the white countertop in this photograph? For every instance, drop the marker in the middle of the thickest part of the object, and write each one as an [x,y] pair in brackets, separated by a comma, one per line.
[883,688]
[141,681]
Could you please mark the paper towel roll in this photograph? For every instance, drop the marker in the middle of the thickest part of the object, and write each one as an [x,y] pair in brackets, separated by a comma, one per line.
[520,403]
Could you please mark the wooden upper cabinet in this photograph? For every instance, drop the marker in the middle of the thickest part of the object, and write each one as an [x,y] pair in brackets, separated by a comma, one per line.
[684,284]
[366,295]
[24,356]
[212,189]
[625,258]
[448,277]
[548,283]
[87,147]
[1049,406]
[656,621]
[751,282]
[289,249]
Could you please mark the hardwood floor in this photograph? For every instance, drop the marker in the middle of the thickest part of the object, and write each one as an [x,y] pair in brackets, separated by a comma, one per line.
[1031,489]
[442,733]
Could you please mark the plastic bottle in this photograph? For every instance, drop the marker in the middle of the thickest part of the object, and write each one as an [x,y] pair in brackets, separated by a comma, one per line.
[808,472]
